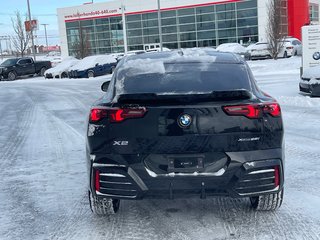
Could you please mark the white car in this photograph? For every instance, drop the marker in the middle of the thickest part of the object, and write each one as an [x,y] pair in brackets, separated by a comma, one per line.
[61,69]
[295,44]
[233,48]
[164,49]
[261,50]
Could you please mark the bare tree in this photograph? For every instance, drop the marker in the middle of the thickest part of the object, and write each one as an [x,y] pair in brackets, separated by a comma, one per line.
[81,44]
[21,38]
[277,28]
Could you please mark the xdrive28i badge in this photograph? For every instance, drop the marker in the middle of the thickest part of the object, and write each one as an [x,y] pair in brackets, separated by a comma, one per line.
[184,120]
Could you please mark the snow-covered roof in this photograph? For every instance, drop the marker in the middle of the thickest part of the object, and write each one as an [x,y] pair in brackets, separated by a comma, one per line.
[231,47]
[63,66]
[92,61]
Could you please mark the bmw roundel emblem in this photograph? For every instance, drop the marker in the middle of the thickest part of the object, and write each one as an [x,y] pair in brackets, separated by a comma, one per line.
[316,56]
[184,120]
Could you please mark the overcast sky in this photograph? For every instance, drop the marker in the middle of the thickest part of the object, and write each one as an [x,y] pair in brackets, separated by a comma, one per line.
[44,10]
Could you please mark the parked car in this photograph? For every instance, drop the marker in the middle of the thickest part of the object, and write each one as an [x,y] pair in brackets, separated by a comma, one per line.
[185,123]
[129,53]
[15,67]
[310,81]
[164,49]
[233,48]
[61,70]
[261,50]
[295,44]
[93,66]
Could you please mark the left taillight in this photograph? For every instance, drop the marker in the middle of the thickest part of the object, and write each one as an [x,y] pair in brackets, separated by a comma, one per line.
[253,111]
[116,115]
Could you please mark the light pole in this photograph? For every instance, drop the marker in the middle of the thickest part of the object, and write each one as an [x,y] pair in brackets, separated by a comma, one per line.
[160,26]
[31,32]
[45,32]
[124,28]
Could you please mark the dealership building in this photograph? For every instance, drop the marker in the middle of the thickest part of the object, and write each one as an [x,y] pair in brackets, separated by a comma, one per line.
[98,27]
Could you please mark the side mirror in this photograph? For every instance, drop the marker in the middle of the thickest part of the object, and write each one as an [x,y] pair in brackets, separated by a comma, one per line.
[105,86]
[97,64]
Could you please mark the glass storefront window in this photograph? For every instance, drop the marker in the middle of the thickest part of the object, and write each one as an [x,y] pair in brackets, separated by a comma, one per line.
[134,33]
[207,35]
[206,18]
[187,28]
[187,11]
[102,21]
[205,26]
[188,19]
[190,27]
[150,31]
[207,9]
[247,4]
[102,28]
[133,17]
[167,14]
[170,29]
[150,23]
[168,21]
[151,39]
[148,16]
[170,38]
[188,36]
[135,40]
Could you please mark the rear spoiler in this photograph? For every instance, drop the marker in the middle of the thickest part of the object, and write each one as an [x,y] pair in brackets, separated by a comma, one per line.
[240,94]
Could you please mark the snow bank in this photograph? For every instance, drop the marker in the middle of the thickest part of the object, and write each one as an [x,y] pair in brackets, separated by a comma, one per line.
[274,67]
[92,61]
[231,47]
[312,72]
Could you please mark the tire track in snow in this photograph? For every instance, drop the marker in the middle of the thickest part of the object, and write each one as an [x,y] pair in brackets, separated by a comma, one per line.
[18,136]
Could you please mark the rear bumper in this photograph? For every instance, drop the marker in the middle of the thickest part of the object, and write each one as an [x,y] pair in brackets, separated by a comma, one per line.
[309,87]
[250,173]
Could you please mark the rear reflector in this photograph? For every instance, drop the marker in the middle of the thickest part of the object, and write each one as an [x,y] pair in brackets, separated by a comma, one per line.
[116,115]
[253,110]
[276,176]
[97,181]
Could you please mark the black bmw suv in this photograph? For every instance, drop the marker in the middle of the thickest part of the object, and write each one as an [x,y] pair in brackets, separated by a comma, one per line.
[181,124]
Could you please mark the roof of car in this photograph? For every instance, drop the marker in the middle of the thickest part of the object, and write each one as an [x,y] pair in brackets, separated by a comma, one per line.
[189,55]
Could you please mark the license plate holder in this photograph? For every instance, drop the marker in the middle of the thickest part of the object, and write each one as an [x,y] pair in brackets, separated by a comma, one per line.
[185,164]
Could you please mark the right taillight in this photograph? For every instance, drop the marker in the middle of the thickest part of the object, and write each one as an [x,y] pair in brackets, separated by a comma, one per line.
[273,109]
[116,115]
[253,111]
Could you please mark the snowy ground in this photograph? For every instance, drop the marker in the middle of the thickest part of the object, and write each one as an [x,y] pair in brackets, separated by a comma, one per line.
[43,175]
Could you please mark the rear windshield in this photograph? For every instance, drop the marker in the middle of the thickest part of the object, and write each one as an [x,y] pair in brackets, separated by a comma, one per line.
[183,78]
[9,62]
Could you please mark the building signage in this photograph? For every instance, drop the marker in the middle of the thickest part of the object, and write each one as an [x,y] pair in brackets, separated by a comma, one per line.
[310,46]
[91,14]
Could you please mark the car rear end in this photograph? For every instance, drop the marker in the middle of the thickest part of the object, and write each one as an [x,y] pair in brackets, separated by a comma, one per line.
[260,51]
[310,81]
[191,127]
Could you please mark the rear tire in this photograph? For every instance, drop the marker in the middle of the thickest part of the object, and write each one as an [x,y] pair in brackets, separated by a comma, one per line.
[285,55]
[42,70]
[270,202]
[104,206]
[90,74]
[12,76]
[64,75]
